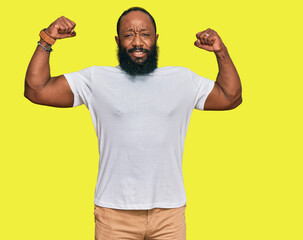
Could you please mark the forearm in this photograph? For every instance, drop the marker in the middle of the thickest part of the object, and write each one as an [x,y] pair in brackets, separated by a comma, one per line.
[38,71]
[228,78]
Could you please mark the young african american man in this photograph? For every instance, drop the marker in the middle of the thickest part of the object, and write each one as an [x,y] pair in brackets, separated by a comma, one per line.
[140,114]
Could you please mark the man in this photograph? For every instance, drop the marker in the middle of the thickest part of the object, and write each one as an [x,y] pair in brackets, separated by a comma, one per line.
[140,113]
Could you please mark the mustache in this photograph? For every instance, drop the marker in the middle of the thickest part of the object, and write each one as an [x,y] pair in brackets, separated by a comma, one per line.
[140,49]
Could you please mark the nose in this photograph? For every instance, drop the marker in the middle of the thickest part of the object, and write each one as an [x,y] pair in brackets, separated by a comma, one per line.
[137,41]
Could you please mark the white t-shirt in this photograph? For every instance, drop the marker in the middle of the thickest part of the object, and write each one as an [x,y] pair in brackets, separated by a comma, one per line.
[141,123]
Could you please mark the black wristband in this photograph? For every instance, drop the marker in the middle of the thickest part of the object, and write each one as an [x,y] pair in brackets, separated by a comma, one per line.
[47,49]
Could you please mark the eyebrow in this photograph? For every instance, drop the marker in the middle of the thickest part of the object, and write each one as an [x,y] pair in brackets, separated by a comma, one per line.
[131,29]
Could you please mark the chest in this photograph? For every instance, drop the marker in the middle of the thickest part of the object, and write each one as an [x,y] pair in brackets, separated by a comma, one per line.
[161,96]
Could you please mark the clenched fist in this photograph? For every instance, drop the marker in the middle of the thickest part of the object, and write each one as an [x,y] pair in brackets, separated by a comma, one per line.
[61,28]
[210,41]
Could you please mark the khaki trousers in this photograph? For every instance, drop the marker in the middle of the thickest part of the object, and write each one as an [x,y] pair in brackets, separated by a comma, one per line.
[153,224]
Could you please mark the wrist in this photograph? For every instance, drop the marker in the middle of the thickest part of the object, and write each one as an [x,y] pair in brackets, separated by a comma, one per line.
[43,43]
[46,37]
[45,46]
[222,54]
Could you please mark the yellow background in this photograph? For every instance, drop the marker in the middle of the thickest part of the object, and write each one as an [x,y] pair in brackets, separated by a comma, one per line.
[242,168]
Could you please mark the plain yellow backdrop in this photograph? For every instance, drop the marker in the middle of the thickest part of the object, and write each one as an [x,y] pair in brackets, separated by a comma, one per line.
[242,168]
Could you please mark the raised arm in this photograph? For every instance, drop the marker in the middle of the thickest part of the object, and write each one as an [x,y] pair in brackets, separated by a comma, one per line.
[40,87]
[227,92]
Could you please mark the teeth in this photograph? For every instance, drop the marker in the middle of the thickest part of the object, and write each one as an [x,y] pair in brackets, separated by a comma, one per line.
[138,53]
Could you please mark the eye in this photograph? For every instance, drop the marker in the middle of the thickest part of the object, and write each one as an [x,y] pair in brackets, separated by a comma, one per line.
[145,35]
[128,35]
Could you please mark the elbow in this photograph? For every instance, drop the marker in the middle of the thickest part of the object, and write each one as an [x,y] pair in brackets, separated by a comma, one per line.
[237,100]
[29,97]
[27,91]
[30,94]
[233,97]
[236,103]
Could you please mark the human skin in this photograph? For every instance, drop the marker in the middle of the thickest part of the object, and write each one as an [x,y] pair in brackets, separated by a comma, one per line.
[136,30]
[227,92]
[40,87]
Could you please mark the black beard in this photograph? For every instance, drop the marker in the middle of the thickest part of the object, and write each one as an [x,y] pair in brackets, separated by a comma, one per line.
[136,68]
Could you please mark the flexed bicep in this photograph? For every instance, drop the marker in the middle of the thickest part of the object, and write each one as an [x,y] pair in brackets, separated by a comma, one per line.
[56,93]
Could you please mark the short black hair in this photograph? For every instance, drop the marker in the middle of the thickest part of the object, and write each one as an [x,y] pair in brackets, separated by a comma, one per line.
[135,9]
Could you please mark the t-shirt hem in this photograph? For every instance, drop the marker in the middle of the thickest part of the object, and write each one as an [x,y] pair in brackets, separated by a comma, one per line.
[211,87]
[139,206]
[73,88]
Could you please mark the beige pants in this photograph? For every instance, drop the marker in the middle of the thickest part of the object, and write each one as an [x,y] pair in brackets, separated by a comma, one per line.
[153,224]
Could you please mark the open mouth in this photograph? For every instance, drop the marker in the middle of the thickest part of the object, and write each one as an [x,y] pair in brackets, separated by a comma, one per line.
[138,52]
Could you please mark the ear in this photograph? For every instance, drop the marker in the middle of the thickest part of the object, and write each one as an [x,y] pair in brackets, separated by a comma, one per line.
[157,35]
[117,40]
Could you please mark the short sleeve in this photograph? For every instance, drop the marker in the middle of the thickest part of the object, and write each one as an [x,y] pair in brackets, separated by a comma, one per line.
[81,85]
[203,87]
